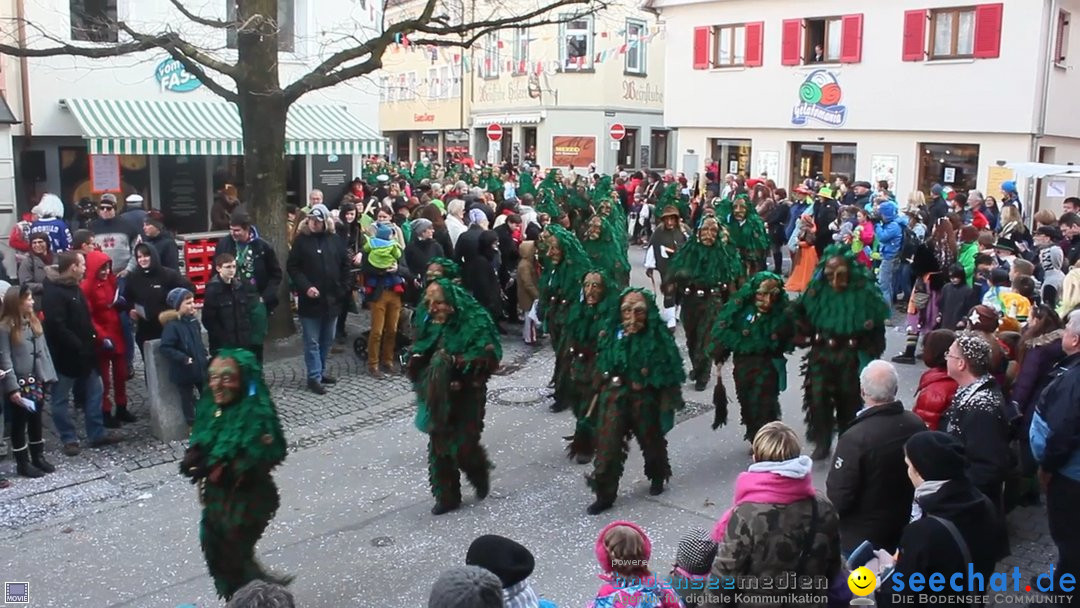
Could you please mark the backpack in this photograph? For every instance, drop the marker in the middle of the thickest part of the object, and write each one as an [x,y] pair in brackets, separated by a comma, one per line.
[909,244]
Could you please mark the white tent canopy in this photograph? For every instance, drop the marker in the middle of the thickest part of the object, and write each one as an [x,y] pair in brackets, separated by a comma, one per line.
[1041,170]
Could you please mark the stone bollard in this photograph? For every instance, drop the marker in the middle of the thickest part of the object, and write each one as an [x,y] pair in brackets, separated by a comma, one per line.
[166,416]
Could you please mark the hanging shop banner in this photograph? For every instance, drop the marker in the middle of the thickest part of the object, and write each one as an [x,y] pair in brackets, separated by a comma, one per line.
[172,76]
[105,173]
[573,150]
[819,100]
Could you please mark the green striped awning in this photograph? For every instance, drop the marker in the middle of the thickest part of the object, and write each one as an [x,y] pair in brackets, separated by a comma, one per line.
[129,126]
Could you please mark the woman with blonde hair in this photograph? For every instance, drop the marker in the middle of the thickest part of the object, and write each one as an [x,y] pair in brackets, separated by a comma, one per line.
[28,372]
[778,524]
[1012,226]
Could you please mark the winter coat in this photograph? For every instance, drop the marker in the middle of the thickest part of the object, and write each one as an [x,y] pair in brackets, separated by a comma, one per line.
[181,339]
[419,253]
[32,274]
[116,237]
[954,304]
[934,395]
[468,243]
[147,288]
[1042,355]
[479,275]
[167,250]
[226,314]
[939,208]
[29,358]
[69,330]
[927,546]
[221,212]
[101,297]
[261,265]
[977,418]
[455,228]
[890,234]
[1055,429]
[868,483]
[528,279]
[58,231]
[318,260]
[508,251]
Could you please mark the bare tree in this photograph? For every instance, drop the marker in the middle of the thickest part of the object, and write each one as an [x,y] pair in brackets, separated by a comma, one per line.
[253,82]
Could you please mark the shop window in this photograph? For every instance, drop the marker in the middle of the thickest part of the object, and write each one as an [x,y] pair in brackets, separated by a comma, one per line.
[521,52]
[953,33]
[1061,44]
[490,66]
[731,155]
[635,47]
[954,165]
[286,24]
[659,149]
[823,162]
[576,43]
[94,20]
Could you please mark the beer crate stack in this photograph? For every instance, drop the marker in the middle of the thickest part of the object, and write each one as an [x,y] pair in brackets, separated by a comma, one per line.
[198,260]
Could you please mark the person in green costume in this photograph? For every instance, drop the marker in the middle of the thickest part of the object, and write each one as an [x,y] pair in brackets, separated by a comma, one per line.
[700,276]
[235,442]
[757,328]
[604,250]
[841,317]
[563,263]
[747,230]
[639,376]
[587,317]
[442,268]
[457,349]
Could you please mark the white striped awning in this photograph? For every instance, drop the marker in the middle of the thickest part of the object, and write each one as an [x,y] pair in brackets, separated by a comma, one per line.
[531,118]
[130,126]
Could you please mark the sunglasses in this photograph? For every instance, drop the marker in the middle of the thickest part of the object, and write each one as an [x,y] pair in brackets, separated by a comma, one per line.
[106,208]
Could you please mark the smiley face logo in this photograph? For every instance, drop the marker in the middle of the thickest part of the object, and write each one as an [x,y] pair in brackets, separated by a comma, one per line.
[862,581]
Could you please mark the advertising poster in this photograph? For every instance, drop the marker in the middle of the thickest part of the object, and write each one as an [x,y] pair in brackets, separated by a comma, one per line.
[573,150]
[884,167]
[995,177]
[105,173]
[768,164]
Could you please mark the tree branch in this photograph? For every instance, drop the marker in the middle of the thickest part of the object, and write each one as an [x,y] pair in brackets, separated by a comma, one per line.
[193,59]
[114,50]
[215,23]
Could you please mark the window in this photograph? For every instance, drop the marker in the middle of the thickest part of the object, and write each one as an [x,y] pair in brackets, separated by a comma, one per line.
[286,25]
[433,91]
[521,52]
[94,20]
[444,82]
[455,85]
[823,39]
[1061,45]
[826,40]
[659,149]
[730,46]
[952,33]
[410,87]
[576,38]
[384,86]
[635,48]
[955,165]
[490,67]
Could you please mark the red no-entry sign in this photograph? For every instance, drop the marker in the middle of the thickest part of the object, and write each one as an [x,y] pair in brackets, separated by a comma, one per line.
[617,132]
[494,132]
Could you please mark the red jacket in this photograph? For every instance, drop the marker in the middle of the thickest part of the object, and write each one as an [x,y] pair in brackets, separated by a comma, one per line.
[935,393]
[979,220]
[100,296]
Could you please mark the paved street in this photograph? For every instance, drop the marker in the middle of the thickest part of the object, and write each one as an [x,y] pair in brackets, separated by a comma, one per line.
[120,527]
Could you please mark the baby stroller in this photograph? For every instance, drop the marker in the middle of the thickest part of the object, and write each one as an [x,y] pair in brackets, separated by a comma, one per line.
[404,338]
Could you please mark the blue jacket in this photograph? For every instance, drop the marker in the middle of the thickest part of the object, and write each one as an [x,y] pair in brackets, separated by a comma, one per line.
[1055,428]
[890,234]
[57,230]
[182,340]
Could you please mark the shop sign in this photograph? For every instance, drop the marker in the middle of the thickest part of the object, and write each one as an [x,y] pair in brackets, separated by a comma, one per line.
[572,150]
[819,100]
[642,92]
[423,117]
[172,76]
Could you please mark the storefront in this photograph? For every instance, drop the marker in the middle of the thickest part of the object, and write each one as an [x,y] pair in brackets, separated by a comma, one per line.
[954,165]
[824,162]
[731,155]
[176,155]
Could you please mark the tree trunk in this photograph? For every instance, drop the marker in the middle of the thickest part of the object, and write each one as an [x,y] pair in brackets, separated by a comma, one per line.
[262,116]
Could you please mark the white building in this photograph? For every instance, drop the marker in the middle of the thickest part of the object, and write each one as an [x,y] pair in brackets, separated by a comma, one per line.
[155,130]
[916,92]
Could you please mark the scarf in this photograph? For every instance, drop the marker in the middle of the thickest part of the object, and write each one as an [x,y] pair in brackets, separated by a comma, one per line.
[782,483]
[926,489]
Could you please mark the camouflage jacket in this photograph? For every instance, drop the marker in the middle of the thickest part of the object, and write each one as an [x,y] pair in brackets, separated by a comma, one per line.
[756,562]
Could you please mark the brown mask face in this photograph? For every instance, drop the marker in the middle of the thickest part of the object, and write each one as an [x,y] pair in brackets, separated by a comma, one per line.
[708,232]
[596,226]
[564,221]
[554,249]
[434,271]
[593,288]
[605,208]
[671,222]
[836,273]
[634,311]
[738,210]
[766,295]
[225,381]
[439,309]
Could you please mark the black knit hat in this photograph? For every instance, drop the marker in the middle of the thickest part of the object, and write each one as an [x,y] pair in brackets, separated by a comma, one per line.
[696,552]
[937,456]
[508,560]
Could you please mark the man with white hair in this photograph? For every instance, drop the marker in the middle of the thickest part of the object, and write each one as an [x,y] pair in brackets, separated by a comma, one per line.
[868,481]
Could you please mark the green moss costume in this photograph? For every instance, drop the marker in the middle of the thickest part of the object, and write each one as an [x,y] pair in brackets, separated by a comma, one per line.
[581,334]
[450,364]
[750,236]
[560,285]
[639,380]
[231,452]
[845,330]
[700,277]
[760,342]
[605,250]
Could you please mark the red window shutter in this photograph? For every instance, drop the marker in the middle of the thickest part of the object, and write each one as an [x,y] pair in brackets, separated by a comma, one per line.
[701,47]
[915,35]
[755,44]
[791,42]
[988,30]
[851,39]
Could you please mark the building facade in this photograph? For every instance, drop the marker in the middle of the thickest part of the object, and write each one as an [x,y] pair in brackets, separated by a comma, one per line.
[142,124]
[555,90]
[915,93]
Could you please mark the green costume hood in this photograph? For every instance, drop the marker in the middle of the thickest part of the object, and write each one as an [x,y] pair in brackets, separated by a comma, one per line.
[650,358]
[751,235]
[469,332]
[716,265]
[858,308]
[584,322]
[740,329]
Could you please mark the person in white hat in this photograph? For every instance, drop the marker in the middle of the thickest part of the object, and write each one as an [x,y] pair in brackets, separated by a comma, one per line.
[134,210]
